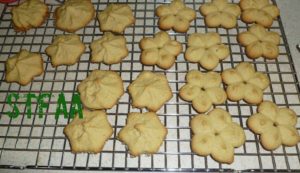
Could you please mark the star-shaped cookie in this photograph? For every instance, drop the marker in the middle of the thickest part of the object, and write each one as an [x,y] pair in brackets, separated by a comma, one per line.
[115,18]
[29,14]
[110,49]
[23,67]
[74,15]
[150,90]
[101,89]
[65,50]
[88,134]
[143,133]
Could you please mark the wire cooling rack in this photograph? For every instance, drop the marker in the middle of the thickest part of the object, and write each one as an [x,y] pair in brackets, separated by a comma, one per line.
[39,143]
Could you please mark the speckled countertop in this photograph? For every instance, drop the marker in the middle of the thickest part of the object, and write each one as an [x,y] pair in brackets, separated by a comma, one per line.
[290,14]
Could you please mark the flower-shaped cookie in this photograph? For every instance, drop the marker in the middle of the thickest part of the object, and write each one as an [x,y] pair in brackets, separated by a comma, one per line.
[74,15]
[220,13]
[243,82]
[175,16]
[110,49]
[259,42]
[101,89]
[206,49]
[88,134]
[258,11]
[115,18]
[23,67]
[143,133]
[150,90]
[29,14]
[215,134]
[65,50]
[203,89]
[276,126]
[160,50]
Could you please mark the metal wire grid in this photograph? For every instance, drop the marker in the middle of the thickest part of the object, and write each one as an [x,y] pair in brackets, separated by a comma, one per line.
[39,142]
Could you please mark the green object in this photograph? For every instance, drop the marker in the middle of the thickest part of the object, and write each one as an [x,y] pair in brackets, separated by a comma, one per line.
[15,110]
[76,106]
[41,104]
[61,106]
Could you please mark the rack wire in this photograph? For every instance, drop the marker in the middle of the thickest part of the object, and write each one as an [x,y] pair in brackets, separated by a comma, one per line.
[39,143]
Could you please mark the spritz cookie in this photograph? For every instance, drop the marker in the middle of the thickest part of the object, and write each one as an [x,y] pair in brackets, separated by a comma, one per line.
[244,83]
[29,14]
[220,13]
[259,42]
[206,49]
[259,11]
[23,67]
[65,50]
[203,90]
[160,50]
[143,133]
[115,18]
[150,90]
[275,126]
[88,134]
[74,15]
[101,89]
[109,49]
[215,134]
[175,16]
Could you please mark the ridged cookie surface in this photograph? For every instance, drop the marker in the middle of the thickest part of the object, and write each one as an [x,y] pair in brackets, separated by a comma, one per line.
[109,49]
[74,15]
[23,67]
[101,89]
[65,50]
[143,133]
[115,18]
[150,90]
[88,134]
[29,14]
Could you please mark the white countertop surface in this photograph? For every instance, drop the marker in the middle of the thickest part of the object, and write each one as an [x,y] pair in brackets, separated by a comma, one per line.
[290,15]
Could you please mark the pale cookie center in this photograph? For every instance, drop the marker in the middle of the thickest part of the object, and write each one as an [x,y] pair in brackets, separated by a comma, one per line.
[140,127]
[262,122]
